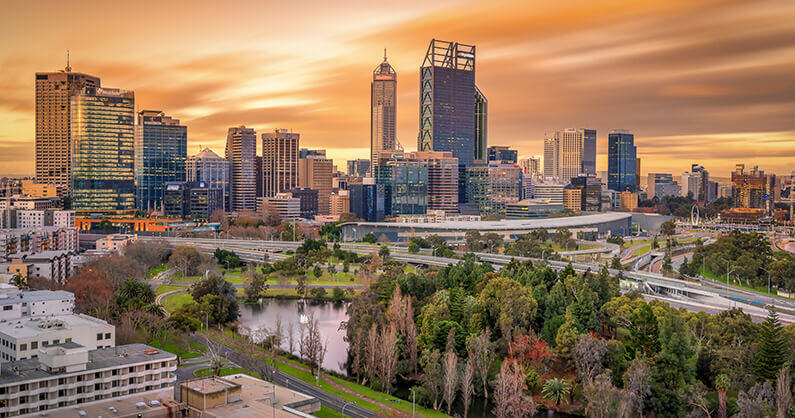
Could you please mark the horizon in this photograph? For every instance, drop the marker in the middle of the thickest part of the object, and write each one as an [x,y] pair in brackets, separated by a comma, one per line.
[696,82]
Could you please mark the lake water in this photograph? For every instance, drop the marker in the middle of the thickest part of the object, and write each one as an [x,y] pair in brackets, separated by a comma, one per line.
[329,316]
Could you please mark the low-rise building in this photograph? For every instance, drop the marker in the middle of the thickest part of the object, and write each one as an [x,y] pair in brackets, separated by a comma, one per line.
[284,204]
[65,376]
[572,199]
[21,338]
[16,303]
[629,201]
[340,203]
[55,265]
[531,209]
[48,217]
[115,242]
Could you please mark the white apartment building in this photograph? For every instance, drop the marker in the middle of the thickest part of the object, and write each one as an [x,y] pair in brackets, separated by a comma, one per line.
[115,242]
[38,218]
[22,338]
[66,375]
[16,303]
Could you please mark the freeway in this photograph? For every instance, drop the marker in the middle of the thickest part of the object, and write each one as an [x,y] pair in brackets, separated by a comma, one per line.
[686,292]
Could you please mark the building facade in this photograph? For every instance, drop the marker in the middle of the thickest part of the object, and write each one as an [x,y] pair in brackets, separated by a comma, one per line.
[316,172]
[501,153]
[358,167]
[405,184]
[103,128]
[308,201]
[481,124]
[383,110]
[367,200]
[161,148]
[621,161]
[279,161]
[207,167]
[443,175]
[241,148]
[591,192]
[54,123]
[575,153]
[661,184]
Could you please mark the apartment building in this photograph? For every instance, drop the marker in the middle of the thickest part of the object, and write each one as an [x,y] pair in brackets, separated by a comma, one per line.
[115,242]
[68,375]
[49,217]
[16,303]
[55,265]
[22,338]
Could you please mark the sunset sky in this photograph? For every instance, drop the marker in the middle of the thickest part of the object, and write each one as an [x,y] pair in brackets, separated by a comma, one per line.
[709,82]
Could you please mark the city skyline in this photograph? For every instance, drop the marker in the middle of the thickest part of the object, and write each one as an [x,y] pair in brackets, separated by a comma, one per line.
[682,95]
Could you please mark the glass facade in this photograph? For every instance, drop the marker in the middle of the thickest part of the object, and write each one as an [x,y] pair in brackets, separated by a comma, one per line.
[621,162]
[405,186]
[208,167]
[161,148]
[481,124]
[367,201]
[241,150]
[590,192]
[103,151]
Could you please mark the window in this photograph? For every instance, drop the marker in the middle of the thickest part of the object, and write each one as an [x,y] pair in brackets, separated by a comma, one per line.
[68,340]
[23,347]
[107,335]
[56,341]
[23,399]
[99,336]
[7,307]
[34,345]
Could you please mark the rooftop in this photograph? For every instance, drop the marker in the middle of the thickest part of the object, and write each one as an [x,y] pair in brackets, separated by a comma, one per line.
[15,372]
[508,224]
[28,327]
[13,296]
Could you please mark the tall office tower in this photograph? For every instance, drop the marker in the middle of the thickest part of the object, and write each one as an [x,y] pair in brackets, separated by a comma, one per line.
[161,148]
[443,175]
[316,172]
[383,110]
[53,124]
[358,167]
[366,200]
[591,192]
[531,167]
[241,148]
[637,174]
[279,161]
[661,184]
[504,185]
[258,175]
[103,128]
[696,183]
[550,157]
[209,168]
[502,153]
[481,124]
[621,161]
[405,183]
[477,190]
[576,153]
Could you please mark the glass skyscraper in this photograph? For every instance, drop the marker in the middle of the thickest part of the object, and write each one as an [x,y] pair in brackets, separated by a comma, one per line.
[161,148]
[102,131]
[208,167]
[481,124]
[621,161]
[405,185]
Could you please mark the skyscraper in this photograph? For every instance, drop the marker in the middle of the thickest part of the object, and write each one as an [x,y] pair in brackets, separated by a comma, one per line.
[621,161]
[161,148]
[481,124]
[208,167]
[443,175]
[383,110]
[102,131]
[241,148]
[358,167]
[576,153]
[696,183]
[550,157]
[590,192]
[448,97]
[502,153]
[279,161]
[531,167]
[405,183]
[316,172]
[53,123]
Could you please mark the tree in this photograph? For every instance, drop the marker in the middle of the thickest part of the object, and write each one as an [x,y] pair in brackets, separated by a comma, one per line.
[722,384]
[674,365]
[602,399]
[508,306]
[134,294]
[783,393]
[637,382]
[414,248]
[643,332]
[216,285]
[93,293]
[759,401]
[317,272]
[481,350]
[369,238]
[556,390]
[696,395]
[389,355]
[257,283]
[509,398]
[149,253]
[467,386]
[450,378]
[588,356]
[615,263]
[18,281]
[492,240]
[186,260]
[473,241]
[668,228]
[432,375]
[383,252]
[772,347]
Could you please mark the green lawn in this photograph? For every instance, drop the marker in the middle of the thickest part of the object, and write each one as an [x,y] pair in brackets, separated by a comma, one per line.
[226,371]
[155,270]
[179,278]
[194,350]
[163,288]
[175,301]
[326,412]
[761,289]
[234,277]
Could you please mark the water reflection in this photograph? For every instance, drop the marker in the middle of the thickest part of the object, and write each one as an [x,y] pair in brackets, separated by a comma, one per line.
[329,316]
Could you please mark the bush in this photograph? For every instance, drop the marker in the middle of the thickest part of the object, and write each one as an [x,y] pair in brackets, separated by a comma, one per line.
[317,293]
[370,238]
[338,295]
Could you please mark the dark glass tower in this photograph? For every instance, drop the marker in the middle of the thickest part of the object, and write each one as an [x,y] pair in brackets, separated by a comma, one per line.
[481,124]
[161,148]
[621,161]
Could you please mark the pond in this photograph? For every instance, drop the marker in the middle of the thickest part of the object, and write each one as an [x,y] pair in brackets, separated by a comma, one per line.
[328,314]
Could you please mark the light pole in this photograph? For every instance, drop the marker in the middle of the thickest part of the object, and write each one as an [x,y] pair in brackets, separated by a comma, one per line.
[342,412]
[768,284]
[413,402]
[728,272]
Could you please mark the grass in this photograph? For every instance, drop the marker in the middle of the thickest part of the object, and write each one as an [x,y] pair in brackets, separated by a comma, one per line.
[175,301]
[163,288]
[226,371]
[155,270]
[194,349]
[326,412]
[761,289]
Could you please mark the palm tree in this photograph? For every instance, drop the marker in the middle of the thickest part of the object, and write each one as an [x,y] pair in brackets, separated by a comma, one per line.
[722,384]
[556,390]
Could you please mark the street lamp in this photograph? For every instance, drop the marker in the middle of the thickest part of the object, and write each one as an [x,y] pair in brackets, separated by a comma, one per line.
[413,402]
[728,272]
[342,412]
[768,284]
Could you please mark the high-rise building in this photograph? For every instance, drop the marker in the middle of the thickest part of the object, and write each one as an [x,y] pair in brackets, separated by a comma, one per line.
[161,148]
[502,153]
[572,199]
[316,172]
[504,185]
[752,189]
[367,200]
[309,201]
[54,124]
[481,124]
[103,128]
[629,201]
[621,161]
[447,100]
[531,167]
[575,153]
[208,167]
[661,184]
[241,148]
[358,167]
[591,192]
[340,203]
[383,110]
[279,161]
[477,191]
[549,191]
[443,175]
[405,183]
[637,173]
[550,157]
[696,183]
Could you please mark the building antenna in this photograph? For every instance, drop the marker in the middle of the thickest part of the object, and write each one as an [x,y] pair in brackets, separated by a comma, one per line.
[68,67]
[384,54]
